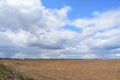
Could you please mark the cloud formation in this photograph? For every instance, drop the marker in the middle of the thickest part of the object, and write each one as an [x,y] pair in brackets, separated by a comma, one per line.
[30,30]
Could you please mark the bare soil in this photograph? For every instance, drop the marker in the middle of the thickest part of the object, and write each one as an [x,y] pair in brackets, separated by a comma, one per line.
[68,69]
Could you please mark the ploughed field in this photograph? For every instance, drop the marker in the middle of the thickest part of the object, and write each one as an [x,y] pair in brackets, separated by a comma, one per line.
[67,69]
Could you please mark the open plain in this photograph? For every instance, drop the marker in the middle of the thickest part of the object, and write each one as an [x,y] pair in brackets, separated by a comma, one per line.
[67,69]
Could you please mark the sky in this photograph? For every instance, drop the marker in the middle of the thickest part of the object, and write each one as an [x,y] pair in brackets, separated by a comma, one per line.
[60,29]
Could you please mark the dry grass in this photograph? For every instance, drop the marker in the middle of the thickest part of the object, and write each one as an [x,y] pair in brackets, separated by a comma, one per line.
[68,69]
[8,73]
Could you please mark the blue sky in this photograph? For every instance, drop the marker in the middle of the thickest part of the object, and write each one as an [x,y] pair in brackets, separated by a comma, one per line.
[58,29]
[83,8]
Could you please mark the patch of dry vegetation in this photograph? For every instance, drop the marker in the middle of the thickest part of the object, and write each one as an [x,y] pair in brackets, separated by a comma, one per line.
[8,73]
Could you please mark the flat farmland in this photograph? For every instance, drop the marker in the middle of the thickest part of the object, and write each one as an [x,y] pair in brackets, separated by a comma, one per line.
[68,69]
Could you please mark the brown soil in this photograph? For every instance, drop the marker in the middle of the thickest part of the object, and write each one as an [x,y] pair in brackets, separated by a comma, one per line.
[68,69]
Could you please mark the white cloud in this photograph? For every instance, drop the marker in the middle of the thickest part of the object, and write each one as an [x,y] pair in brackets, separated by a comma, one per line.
[21,3]
[89,56]
[2,55]
[114,55]
[30,15]
[102,31]
[32,28]
[37,25]
[118,55]
[20,55]
[101,22]
[20,38]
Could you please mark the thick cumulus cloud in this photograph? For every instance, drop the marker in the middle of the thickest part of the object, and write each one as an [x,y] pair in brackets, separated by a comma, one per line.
[30,30]
[30,15]
[26,24]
